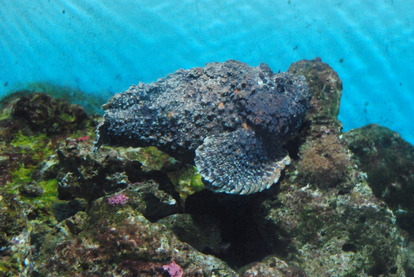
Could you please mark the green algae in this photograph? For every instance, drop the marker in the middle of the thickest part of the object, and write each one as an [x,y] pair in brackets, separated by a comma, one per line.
[22,175]
[41,205]
[185,178]
[49,196]
[22,140]
[38,146]
[33,149]
[27,196]
[186,181]
[67,117]
[36,149]
[150,157]
[4,114]
[11,266]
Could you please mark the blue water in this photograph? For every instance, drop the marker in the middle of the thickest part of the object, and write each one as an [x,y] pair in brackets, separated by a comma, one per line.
[102,47]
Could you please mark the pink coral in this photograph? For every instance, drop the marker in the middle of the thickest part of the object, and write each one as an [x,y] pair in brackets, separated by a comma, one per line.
[118,199]
[173,269]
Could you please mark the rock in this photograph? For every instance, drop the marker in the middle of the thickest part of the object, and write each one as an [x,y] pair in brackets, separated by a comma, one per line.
[154,203]
[271,267]
[326,88]
[13,219]
[90,175]
[31,126]
[324,161]
[66,209]
[14,235]
[77,222]
[40,113]
[121,242]
[31,190]
[325,211]
[83,174]
[200,231]
[388,161]
[87,174]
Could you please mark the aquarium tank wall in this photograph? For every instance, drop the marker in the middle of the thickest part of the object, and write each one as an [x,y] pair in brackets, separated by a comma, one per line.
[102,47]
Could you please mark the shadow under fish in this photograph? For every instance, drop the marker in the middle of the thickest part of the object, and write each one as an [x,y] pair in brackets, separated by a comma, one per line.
[229,118]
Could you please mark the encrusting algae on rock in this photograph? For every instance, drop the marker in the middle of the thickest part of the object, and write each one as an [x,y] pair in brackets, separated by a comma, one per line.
[230,118]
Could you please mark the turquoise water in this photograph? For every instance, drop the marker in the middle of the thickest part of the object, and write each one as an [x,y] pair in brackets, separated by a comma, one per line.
[102,47]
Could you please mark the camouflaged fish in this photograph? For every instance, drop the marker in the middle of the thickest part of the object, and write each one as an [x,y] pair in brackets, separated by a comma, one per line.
[230,119]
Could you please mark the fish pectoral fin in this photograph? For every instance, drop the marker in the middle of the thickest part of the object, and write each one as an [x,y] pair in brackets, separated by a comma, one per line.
[238,163]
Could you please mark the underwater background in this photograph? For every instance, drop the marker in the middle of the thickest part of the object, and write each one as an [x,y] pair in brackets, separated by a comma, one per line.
[102,47]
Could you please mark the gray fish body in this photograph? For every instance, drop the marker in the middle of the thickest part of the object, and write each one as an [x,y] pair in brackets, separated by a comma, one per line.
[229,118]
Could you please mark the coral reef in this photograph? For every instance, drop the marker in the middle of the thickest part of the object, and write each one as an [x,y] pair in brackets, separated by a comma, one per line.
[342,208]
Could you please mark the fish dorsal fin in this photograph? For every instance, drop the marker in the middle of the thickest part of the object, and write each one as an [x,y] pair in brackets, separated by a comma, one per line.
[238,163]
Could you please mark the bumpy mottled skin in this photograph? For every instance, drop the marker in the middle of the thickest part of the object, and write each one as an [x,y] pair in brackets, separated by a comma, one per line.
[243,115]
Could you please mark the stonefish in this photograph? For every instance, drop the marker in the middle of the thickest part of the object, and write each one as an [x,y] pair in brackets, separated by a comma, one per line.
[229,118]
